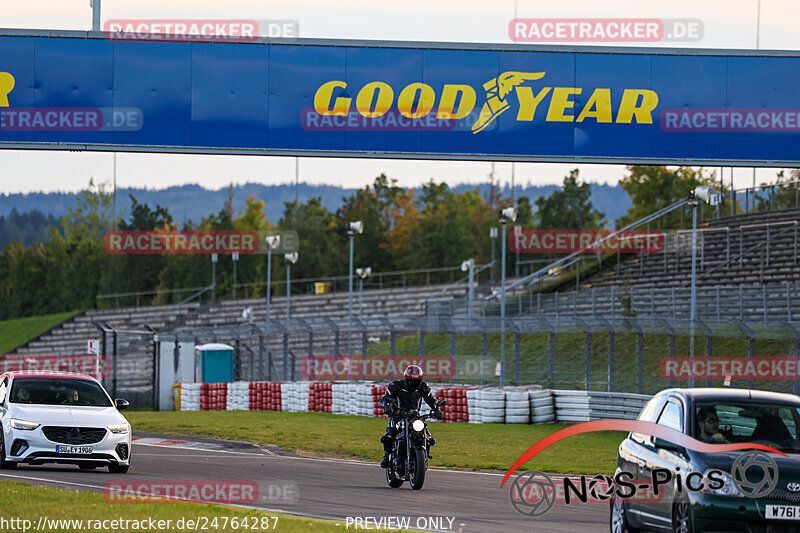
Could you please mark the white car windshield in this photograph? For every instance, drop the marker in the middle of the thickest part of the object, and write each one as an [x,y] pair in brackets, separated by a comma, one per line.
[76,392]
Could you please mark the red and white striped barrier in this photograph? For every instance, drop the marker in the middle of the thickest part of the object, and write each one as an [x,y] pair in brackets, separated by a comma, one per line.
[508,405]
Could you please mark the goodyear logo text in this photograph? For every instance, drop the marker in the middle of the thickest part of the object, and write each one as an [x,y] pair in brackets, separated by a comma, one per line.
[456,101]
[7,83]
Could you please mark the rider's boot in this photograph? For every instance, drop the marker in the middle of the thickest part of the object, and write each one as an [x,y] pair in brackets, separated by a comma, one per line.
[385,461]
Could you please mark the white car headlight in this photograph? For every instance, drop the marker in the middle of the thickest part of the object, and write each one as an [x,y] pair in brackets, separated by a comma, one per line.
[23,424]
[118,428]
[418,425]
[728,489]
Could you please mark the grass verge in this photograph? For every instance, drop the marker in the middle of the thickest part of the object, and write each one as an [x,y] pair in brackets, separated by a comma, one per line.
[19,330]
[26,502]
[471,446]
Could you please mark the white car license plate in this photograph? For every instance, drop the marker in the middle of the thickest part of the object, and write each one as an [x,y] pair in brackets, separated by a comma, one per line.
[84,450]
[783,512]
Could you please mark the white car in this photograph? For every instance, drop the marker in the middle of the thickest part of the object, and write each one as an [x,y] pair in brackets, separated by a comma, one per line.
[59,417]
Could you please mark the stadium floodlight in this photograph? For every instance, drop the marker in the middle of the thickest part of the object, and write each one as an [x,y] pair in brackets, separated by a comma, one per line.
[468,265]
[273,241]
[493,236]
[289,259]
[699,194]
[509,213]
[505,215]
[352,229]
[364,273]
[355,227]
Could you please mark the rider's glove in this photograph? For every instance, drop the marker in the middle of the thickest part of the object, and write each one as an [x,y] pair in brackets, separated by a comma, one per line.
[438,413]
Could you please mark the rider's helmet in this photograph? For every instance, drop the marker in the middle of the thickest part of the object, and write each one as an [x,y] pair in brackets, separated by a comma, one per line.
[412,377]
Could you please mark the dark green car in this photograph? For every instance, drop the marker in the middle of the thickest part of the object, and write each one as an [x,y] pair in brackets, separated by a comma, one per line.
[716,416]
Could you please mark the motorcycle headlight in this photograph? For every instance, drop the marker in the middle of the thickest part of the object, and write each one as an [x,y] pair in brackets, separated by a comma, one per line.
[118,428]
[728,489]
[23,425]
[418,425]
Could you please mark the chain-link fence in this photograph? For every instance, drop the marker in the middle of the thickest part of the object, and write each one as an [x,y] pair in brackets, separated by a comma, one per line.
[621,354]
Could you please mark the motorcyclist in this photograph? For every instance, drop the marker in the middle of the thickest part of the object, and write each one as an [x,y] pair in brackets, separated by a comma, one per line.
[407,393]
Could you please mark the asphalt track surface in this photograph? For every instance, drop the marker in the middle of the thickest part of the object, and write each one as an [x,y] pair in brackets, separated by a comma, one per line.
[327,488]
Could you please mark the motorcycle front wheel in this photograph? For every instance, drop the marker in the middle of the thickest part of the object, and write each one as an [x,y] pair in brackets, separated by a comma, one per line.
[391,478]
[418,468]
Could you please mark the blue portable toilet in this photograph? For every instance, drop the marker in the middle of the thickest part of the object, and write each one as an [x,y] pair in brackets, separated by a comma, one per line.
[214,363]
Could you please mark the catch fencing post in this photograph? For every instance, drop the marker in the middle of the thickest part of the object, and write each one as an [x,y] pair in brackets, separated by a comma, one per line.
[588,331]
[639,353]
[751,350]
[671,332]
[796,354]
[709,347]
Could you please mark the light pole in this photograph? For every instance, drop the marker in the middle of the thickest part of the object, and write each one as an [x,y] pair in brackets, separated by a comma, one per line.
[517,231]
[289,259]
[352,229]
[695,197]
[509,213]
[362,273]
[272,242]
[235,259]
[95,5]
[493,236]
[213,278]
[469,266]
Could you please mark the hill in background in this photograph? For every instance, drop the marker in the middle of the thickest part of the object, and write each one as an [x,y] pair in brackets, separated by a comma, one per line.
[193,202]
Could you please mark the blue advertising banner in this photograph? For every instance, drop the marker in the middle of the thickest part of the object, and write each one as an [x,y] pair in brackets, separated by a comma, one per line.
[412,100]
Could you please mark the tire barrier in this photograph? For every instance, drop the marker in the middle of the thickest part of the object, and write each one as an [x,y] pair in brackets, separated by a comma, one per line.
[456,409]
[264,396]
[320,396]
[294,397]
[543,409]
[518,407]
[238,396]
[378,391]
[213,396]
[582,406]
[190,396]
[489,405]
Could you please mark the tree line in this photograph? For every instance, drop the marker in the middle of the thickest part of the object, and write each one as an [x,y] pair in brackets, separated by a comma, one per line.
[402,230]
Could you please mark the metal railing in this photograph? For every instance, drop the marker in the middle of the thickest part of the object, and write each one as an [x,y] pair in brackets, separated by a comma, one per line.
[763,198]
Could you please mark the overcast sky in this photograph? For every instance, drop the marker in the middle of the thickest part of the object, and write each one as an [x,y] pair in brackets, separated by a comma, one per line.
[726,24]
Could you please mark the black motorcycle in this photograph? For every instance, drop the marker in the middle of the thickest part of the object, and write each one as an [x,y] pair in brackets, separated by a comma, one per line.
[408,460]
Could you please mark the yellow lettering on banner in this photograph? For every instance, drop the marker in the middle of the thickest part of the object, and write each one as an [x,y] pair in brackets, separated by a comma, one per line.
[367,94]
[528,102]
[7,83]
[560,102]
[405,102]
[630,106]
[448,101]
[598,106]
[324,95]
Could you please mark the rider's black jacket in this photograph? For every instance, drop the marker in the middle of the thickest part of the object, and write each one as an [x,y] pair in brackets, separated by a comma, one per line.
[397,393]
